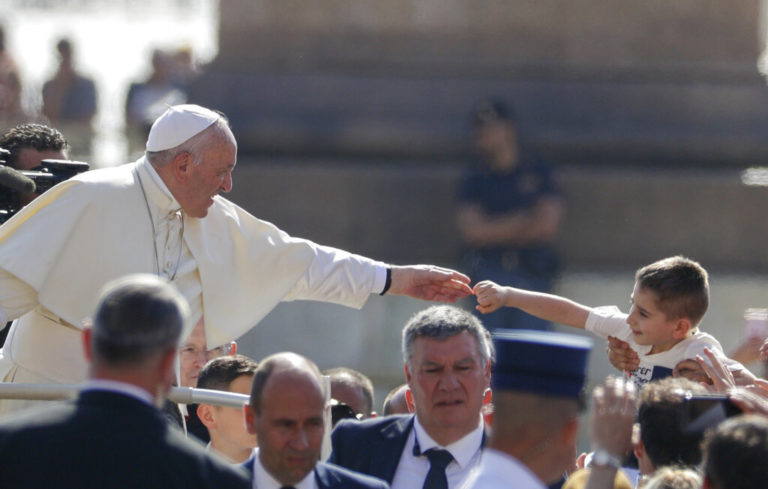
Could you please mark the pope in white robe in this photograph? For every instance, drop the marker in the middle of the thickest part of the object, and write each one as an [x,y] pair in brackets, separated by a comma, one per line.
[163,215]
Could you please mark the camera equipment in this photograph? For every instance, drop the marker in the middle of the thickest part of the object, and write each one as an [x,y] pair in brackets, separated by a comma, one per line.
[705,410]
[40,179]
[340,411]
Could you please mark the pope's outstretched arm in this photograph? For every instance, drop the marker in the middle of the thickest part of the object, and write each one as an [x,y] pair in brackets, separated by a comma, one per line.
[428,282]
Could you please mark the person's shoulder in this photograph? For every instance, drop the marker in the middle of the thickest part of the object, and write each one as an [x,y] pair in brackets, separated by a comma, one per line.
[378,423]
[39,417]
[25,430]
[696,343]
[332,475]
[210,470]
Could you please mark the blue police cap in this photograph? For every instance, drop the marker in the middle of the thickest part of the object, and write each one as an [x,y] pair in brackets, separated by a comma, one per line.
[540,362]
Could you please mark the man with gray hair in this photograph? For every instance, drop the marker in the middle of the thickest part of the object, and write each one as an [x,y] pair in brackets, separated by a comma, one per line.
[113,435]
[163,214]
[448,355]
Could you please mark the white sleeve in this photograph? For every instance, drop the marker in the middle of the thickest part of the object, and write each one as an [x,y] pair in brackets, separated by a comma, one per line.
[16,297]
[608,321]
[339,277]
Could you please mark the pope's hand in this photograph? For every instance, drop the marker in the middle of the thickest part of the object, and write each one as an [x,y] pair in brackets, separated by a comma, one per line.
[429,283]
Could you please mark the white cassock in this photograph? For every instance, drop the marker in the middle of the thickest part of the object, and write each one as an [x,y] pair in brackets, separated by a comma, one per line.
[57,253]
[498,470]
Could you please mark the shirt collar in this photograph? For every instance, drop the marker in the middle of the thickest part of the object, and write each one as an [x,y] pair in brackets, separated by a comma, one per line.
[157,192]
[120,388]
[462,449]
[264,480]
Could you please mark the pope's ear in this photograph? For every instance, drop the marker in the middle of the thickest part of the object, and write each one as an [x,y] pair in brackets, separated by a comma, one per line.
[182,165]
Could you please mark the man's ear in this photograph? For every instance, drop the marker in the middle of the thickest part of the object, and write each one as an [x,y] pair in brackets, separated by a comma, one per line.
[182,165]
[409,401]
[234,348]
[637,443]
[168,365]
[407,375]
[250,419]
[570,433]
[487,396]
[205,413]
[86,336]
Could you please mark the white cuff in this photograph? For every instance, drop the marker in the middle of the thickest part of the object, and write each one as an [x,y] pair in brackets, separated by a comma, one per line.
[379,278]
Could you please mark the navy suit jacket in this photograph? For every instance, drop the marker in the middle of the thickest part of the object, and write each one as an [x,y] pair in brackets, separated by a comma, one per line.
[105,440]
[329,476]
[372,446]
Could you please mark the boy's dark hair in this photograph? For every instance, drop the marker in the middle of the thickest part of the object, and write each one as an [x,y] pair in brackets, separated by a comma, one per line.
[735,454]
[681,286]
[219,373]
[661,430]
[32,136]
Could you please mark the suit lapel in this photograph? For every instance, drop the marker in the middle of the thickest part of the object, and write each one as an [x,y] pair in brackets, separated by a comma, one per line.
[392,441]
[323,476]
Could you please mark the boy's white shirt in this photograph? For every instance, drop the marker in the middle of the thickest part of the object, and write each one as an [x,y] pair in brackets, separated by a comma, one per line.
[610,321]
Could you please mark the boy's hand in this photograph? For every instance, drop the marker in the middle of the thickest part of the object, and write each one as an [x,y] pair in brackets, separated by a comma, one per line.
[490,296]
[621,355]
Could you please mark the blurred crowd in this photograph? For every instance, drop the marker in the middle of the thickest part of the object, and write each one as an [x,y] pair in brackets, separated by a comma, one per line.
[70,98]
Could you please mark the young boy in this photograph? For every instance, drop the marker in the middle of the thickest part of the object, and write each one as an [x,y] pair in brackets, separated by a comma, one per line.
[226,425]
[669,299]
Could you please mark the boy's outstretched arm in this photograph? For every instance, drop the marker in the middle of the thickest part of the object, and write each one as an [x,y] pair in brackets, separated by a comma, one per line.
[491,296]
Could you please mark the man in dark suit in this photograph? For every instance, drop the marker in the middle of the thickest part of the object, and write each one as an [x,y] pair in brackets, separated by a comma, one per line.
[448,358]
[113,436]
[287,413]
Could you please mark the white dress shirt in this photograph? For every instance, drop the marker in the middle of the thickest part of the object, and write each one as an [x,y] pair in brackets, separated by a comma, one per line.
[412,470]
[263,480]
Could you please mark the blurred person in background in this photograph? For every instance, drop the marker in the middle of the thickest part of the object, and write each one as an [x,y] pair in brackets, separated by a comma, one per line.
[509,210]
[11,112]
[352,388]
[69,100]
[398,401]
[148,99]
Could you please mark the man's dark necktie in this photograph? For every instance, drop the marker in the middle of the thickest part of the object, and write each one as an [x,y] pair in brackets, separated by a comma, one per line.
[438,461]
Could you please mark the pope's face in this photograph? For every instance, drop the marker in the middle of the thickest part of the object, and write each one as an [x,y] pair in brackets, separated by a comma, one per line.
[213,174]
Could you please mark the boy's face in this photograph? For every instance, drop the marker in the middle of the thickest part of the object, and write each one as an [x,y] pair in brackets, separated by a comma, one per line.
[230,421]
[650,325]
